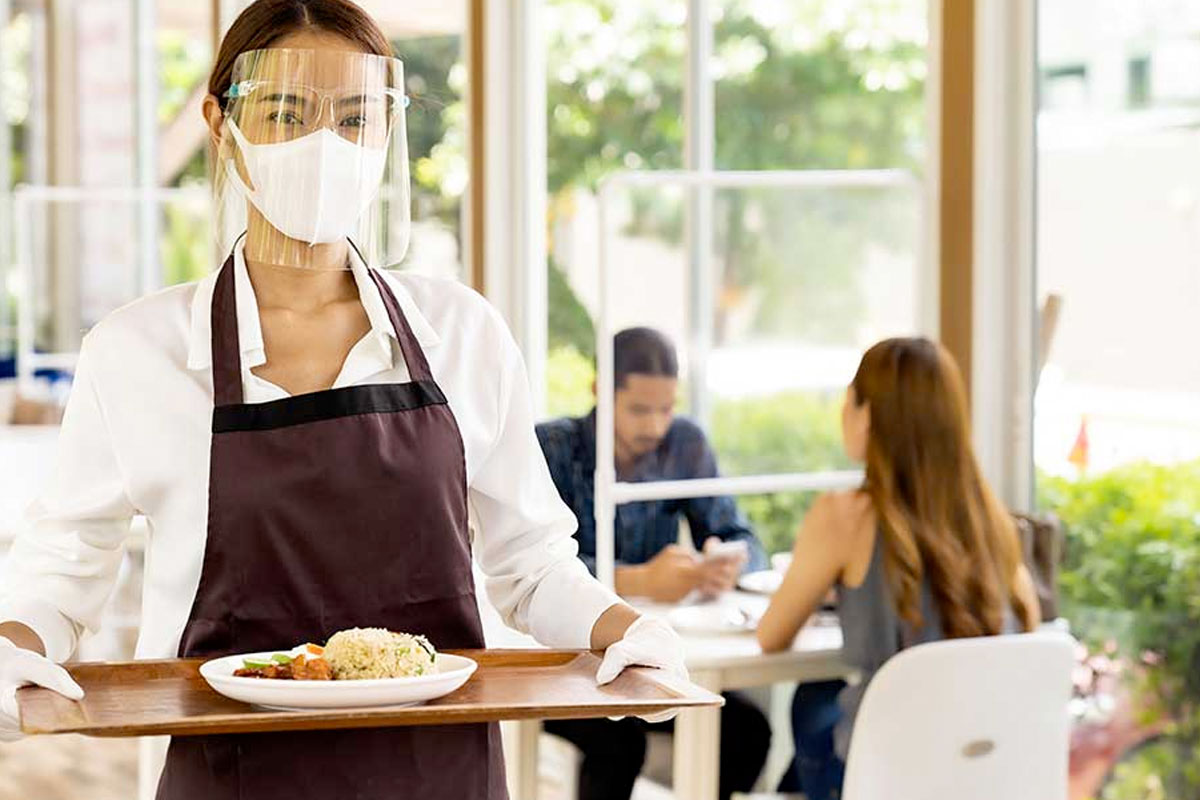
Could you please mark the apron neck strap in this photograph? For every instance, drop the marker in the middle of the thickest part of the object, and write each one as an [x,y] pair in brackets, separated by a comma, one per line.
[226,349]
[414,356]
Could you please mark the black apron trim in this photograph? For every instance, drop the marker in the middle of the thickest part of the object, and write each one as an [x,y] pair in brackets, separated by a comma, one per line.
[329,404]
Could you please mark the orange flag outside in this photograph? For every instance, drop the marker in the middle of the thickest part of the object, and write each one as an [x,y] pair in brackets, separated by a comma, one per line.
[1079,451]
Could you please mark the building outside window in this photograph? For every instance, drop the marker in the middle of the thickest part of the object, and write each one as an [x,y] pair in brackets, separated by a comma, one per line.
[1117,411]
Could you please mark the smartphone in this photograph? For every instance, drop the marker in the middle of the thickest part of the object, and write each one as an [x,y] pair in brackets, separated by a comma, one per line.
[716,550]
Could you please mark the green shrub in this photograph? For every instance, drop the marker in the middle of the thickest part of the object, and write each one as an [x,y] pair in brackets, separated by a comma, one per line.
[1133,545]
[569,379]
[1131,575]
[568,323]
[786,432]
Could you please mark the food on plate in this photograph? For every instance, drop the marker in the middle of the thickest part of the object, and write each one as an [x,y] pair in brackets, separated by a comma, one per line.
[285,667]
[364,653]
[354,654]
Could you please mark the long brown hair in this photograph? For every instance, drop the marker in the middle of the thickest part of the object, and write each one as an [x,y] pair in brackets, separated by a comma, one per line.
[265,22]
[938,518]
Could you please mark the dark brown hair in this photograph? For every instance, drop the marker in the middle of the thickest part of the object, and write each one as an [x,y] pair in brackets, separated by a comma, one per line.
[939,520]
[265,22]
[643,351]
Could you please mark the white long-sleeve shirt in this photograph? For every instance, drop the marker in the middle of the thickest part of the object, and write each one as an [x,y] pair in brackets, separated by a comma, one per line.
[135,440]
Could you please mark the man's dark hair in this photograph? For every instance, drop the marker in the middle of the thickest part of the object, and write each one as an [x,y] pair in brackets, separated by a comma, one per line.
[643,351]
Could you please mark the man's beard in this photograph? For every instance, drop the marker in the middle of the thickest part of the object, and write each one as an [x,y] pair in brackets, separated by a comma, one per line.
[643,446]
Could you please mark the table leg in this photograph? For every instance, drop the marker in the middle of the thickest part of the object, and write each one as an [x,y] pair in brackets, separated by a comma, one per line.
[521,757]
[697,754]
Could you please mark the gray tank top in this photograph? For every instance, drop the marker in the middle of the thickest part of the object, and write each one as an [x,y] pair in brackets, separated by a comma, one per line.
[872,632]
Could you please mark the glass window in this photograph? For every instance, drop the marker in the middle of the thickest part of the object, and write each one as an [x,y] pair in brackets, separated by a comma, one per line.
[432,45]
[801,278]
[807,85]
[1117,409]
[614,92]
[15,101]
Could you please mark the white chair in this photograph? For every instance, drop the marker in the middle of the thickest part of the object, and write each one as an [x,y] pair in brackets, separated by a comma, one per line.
[968,719]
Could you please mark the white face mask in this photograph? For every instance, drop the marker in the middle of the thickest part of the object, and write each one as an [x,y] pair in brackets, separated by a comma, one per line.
[314,188]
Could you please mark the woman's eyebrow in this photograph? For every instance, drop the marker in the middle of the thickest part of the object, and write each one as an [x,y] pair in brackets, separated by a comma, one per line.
[359,99]
[283,97]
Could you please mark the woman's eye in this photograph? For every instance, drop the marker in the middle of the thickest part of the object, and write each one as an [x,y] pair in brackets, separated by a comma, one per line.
[356,121]
[285,118]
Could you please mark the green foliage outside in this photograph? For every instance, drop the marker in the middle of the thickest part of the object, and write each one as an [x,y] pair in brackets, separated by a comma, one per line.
[1150,773]
[14,56]
[800,84]
[435,80]
[569,324]
[183,64]
[1132,576]
[570,377]
[786,432]
[186,251]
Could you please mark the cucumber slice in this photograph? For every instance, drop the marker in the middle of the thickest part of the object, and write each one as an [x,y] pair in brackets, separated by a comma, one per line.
[282,658]
[256,663]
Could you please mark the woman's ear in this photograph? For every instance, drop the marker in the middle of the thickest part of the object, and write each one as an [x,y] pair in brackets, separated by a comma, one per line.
[214,118]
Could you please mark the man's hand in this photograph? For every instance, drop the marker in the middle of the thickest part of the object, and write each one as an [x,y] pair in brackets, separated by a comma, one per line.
[666,578]
[719,575]
[723,563]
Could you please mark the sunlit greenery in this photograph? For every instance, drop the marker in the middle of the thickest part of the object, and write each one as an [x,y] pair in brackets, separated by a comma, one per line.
[435,80]
[1130,576]
[570,377]
[800,85]
[183,65]
[785,432]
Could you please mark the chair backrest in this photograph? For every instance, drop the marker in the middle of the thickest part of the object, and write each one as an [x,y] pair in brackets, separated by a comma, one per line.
[968,719]
[1042,542]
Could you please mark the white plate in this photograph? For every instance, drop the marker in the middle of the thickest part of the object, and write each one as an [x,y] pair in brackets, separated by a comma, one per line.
[453,672]
[713,618]
[764,581]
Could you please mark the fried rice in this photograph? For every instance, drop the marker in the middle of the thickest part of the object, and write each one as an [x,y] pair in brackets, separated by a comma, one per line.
[364,653]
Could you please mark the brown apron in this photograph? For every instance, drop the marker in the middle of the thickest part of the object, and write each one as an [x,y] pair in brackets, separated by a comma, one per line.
[337,509]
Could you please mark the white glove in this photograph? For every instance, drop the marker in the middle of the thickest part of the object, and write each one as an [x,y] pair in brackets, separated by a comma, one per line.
[20,667]
[648,642]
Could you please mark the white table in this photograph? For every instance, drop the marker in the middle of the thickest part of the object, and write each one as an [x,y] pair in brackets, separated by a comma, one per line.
[717,662]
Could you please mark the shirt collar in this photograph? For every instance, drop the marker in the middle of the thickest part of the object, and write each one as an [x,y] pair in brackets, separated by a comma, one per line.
[250,328]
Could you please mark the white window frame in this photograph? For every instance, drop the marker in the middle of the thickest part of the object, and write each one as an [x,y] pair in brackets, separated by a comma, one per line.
[1004,339]
[515,179]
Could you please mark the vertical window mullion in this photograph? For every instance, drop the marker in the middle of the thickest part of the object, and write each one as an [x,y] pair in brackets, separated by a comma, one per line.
[699,156]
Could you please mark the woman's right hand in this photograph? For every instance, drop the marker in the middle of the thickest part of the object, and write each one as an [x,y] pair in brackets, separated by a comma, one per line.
[20,667]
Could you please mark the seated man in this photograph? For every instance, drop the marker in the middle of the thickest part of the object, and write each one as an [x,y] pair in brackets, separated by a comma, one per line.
[653,444]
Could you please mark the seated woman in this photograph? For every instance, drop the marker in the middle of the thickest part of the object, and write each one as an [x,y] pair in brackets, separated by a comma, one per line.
[923,551]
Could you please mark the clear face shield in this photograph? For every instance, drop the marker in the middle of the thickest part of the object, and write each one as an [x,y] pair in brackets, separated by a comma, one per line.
[313,159]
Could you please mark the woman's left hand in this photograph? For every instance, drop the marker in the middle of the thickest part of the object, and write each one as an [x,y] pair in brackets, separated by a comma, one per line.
[648,642]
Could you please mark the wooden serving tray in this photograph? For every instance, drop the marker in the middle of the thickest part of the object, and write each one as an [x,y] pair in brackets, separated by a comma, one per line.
[147,698]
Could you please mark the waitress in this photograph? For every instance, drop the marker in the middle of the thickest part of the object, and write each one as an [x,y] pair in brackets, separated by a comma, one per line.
[316,444]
